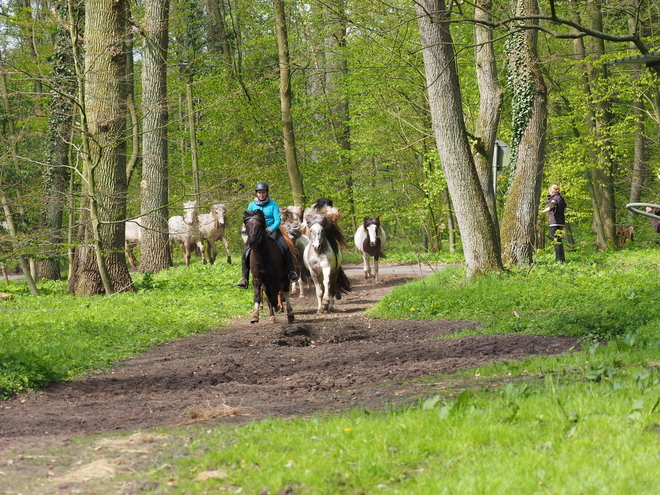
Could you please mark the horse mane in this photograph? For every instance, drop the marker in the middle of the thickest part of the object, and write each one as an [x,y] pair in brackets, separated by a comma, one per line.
[371,221]
[321,208]
[333,232]
[289,242]
[291,213]
[247,215]
[292,229]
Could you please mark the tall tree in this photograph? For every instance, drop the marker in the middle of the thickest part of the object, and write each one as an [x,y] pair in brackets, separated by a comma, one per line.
[60,124]
[529,129]
[490,101]
[478,233]
[154,184]
[295,177]
[100,264]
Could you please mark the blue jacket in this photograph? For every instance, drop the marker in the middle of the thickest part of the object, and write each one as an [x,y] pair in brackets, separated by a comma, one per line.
[271,212]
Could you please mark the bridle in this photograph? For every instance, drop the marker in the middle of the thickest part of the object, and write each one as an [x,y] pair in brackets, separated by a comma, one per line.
[254,239]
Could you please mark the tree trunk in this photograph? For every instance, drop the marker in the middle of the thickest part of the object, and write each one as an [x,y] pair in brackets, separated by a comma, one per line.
[640,164]
[100,265]
[217,30]
[295,177]
[530,104]
[480,241]
[60,125]
[154,185]
[338,100]
[490,103]
[602,180]
[192,129]
[134,125]
[22,260]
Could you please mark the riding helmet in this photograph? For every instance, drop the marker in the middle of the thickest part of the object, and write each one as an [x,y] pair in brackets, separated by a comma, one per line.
[261,186]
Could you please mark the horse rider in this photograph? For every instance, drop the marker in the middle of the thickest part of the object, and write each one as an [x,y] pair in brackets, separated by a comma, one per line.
[271,212]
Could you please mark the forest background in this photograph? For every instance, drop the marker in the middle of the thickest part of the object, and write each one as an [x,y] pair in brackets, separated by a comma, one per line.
[113,111]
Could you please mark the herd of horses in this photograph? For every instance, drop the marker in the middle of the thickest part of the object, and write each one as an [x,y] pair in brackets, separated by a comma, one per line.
[314,237]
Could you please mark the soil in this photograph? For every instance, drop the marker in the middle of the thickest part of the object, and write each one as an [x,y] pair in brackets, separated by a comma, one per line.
[319,364]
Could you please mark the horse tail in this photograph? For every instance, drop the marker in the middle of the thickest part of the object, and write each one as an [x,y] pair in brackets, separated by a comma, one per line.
[343,285]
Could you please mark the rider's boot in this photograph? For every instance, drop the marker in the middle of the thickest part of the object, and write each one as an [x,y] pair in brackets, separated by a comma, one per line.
[245,268]
[293,276]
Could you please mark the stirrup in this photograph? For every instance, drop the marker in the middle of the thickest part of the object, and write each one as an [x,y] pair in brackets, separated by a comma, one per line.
[293,276]
[243,284]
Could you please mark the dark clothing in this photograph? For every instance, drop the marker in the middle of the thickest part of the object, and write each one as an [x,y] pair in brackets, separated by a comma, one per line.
[557,234]
[557,206]
[654,222]
[557,220]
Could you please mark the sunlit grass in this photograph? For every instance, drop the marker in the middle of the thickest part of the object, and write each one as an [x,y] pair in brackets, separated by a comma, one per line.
[602,297]
[558,432]
[55,336]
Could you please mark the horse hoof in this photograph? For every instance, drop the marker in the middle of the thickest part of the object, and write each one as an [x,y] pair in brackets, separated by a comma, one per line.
[229,261]
[255,320]
[290,318]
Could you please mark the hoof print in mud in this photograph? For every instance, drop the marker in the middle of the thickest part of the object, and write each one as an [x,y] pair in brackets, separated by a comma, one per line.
[296,336]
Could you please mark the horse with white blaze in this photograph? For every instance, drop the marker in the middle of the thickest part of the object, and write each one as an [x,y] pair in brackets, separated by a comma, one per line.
[370,240]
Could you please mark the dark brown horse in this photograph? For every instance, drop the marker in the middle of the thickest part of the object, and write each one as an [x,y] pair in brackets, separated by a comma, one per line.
[267,265]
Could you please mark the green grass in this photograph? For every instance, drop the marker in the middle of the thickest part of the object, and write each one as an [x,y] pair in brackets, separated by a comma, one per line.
[56,336]
[561,430]
[587,422]
[602,297]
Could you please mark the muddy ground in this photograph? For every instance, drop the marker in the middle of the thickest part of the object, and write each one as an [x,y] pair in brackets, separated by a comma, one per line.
[320,363]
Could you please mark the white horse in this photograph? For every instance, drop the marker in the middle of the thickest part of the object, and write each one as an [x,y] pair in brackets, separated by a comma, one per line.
[370,240]
[323,260]
[133,237]
[212,228]
[185,230]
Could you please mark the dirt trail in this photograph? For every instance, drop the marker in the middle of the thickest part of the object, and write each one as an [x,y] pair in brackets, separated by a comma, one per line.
[320,363]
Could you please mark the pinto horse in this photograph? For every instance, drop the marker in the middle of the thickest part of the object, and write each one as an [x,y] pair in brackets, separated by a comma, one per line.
[267,266]
[322,258]
[370,240]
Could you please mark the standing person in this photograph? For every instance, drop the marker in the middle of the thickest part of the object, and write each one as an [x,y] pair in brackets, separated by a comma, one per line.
[556,207]
[655,223]
[271,212]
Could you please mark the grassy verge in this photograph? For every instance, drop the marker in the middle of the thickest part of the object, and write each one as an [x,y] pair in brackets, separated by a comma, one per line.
[588,422]
[56,336]
[603,296]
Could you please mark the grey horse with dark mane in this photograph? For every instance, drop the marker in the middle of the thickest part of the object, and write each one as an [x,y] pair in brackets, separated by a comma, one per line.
[323,260]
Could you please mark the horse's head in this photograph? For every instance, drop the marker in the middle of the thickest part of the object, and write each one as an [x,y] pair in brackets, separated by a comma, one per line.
[255,226]
[190,213]
[372,226]
[218,212]
[317,225]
